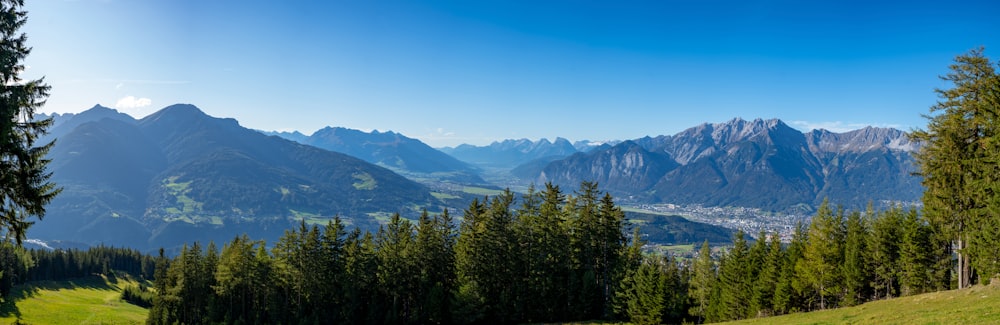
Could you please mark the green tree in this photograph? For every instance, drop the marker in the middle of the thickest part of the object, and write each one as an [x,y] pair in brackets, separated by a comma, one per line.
[434,255]
[856,270]
[914,256]
[788,290]
[735,282]
[823,255]
[883,246]
[702,280]
[959,161]
[394,249]
[646,293]
[26,187]
[765,283]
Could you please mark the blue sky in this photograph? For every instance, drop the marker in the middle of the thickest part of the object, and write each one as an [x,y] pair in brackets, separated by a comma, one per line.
[450,72]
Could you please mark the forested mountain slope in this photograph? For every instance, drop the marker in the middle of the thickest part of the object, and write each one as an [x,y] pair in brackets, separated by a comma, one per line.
[180,175]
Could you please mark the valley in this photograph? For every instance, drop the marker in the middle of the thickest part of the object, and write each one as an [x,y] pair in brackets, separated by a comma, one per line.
[181,175]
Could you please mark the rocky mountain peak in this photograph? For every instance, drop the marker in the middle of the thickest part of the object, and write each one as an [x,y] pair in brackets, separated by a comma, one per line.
[860,140]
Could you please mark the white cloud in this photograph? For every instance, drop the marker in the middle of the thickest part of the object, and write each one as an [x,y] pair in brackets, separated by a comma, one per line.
[441,132]
[839,126]
[132,102]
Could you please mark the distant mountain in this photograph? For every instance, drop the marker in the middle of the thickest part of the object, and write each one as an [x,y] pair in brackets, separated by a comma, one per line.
[389,149]
[180,175]
[512,153]
[761,163]
[66,123]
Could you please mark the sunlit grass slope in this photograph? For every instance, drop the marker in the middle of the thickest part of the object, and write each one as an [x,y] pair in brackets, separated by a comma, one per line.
[976,305]
[94,300]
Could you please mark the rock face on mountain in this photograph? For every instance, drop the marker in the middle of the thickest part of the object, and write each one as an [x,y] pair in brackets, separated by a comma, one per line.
[389,149]
[512,153]
[760,163]
[180,175]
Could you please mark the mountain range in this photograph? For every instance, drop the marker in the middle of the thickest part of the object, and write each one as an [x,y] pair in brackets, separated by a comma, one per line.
[180,175]
[512,153]
[391,150]
[760,163]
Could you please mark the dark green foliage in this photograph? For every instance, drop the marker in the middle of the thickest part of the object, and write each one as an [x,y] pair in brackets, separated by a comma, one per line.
[819,267]
[788,291]
[915,254]
[18,265]
[553,258]
[702,282]
[25,188]
[883,247]
[856,268]
[138,295]
[960,164]
[770,258]
[14,265]
[735,282]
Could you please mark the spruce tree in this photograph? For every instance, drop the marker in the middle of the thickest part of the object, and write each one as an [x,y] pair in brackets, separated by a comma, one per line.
[856,270]
[788,291]
[914,256]
[647,294]
[883,245]
[26,187]
[735,281]
[702,281]
[823,255]
[959,161]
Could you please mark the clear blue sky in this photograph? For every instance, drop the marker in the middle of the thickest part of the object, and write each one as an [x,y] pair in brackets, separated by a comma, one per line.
[450,72]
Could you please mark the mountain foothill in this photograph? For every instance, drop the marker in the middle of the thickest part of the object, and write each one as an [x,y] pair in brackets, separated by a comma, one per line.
[179,175]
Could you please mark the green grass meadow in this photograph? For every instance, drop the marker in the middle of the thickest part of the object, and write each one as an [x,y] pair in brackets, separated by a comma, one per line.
[976,305]
[93,300]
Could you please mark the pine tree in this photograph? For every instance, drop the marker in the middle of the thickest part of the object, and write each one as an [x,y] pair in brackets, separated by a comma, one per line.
[959,160]
[702,281]
[433,252]
[765,283]
[823,254]
[394,249]
[788,291]
[856,270]
[734,281]
[647,294]
[26,187]
[883,245]
[914,256]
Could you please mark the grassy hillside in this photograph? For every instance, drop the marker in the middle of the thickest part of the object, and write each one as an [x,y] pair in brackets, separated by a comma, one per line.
[977,305]
[93,300]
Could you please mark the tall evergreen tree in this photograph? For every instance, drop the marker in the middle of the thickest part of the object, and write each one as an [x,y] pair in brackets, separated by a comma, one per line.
[646,293]
[765,283]
[25,188]
[702,281]
[788,292]
[856,270]
[914,256]
[394,249]
[735,281]
[883,245]
[433,254]
[959,159]
[823,255]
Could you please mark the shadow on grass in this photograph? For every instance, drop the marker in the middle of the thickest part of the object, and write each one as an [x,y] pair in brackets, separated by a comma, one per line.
[8,305]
